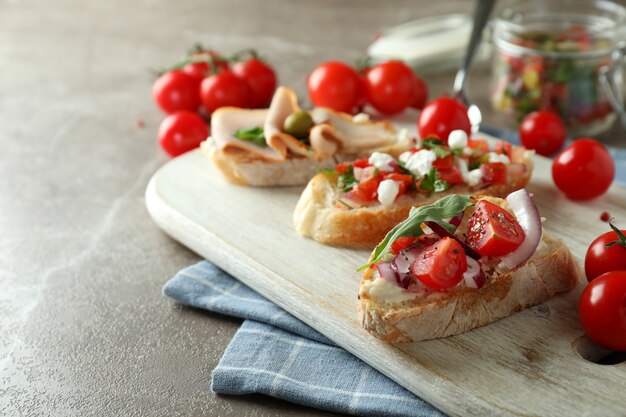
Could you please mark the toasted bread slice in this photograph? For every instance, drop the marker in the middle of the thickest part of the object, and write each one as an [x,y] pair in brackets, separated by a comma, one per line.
[317,216]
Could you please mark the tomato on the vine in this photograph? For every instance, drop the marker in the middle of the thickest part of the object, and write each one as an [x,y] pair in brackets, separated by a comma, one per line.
[600,258]
[441,116]
[390,87]
[224,89]
[493,231]
[335,85]
[584,170]
[176,90]
[542,131]
[440,265]
[203,67]
[602,310]
[261,80]
[181,132]
[420,93]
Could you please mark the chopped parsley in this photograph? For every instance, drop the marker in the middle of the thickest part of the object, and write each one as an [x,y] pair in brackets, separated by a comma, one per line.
[347,181]
[432,183]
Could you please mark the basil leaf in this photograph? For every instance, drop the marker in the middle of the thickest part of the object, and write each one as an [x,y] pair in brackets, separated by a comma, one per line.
[430,142]
[440,151]
[428,183]
[255,135]
[449,206]
[440,185]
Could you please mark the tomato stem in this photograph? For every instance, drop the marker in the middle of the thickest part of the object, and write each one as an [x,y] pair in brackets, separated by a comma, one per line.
[621,239]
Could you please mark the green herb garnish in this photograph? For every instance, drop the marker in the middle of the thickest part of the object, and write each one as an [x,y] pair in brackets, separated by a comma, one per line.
[252,134]
[343,203]
[432,182]
[328,171]
[346,181]
[445,208]
[437,146]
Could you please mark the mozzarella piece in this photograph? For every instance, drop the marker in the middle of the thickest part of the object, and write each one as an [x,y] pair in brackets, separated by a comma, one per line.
[420,162]
[387,192]
[457,139]
[474,177]
[382,161]
[496,157]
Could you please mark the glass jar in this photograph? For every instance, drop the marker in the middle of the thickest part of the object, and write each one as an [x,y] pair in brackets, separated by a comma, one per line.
[553,55]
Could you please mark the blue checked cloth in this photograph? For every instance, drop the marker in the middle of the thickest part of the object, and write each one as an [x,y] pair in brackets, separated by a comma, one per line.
[275,354]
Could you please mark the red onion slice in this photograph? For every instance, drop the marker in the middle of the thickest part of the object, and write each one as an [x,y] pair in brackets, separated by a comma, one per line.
[357,172]
[404,260]
[456,220]
[528,217]
[367,173]
[442,232]
[386,272]
[474,276]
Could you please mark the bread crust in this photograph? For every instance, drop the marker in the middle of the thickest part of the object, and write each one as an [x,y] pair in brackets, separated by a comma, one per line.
[463,309]
[316,216]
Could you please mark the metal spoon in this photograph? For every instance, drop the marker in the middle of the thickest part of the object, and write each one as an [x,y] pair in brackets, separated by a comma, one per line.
[481,15]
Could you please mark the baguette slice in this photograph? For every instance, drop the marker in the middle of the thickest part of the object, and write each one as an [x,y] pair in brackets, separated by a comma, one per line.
[316,215]
[395,315]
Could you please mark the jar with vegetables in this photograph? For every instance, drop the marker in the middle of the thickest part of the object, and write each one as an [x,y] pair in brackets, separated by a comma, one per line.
[552,55]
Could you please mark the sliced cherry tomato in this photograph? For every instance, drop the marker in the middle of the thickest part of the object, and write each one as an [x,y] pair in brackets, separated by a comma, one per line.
[405,242]
[390,87]
[420,93]
[181,132]
[443,164]
[335,85]
[504,148]
[451,176]
[584,170]
[479,147]
[542,131]
[343,167]
[492,231]
[404,181]
[261,80]
[176,90]
[600,259]
[440,265]
[361,163]
[367,190]
[494,173]
[441,116]
[602,310]
[224,89]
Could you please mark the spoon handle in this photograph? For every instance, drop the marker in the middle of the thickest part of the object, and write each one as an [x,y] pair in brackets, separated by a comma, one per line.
[482,11]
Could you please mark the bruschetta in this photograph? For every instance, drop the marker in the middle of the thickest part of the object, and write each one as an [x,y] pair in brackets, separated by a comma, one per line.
[360,201]
[460,263]
[285,145]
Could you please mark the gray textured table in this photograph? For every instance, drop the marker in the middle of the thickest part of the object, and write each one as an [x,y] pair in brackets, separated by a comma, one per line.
[84,327]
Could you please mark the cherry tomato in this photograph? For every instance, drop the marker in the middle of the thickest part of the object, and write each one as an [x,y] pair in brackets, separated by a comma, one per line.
[343,167]
[584,170]
[390,87]
[176,90]
[441,116]
[405,242]
[443,164]
[367,190]
[224,89]
[440,265]
[542,131]
[181,132]
[202,69]
[602,310]
[404,181]
[261,80]
[503,148]
[600,259]
[420,93]
[452,176]
[492,231]
[361,163]
[494,173]
[479,147]
[335,85]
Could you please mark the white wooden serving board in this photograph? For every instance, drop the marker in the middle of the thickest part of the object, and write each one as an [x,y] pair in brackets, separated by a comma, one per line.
[524,365]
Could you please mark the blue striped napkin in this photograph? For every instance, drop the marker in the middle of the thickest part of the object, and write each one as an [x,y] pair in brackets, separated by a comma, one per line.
[275,354]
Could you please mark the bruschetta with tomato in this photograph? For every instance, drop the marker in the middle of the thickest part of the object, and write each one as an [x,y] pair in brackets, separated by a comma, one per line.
[285,145]
[460,263]
[360,201]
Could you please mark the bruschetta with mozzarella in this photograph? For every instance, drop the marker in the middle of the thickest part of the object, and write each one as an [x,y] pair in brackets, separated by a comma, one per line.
[360,201]
[285,145]
[460,263]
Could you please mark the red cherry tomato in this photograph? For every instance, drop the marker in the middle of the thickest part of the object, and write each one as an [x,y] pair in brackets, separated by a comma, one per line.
[602,310]
[600,259]
[405,242]
[181,132]
[441,116]
[542,131]
[361,163]
[176,90]
[390,87]
[404,181]
[494,173]
[440,265]
[335,85]
[479,147]
[584,170]
[443,164]
[202,69]
[492,231]
[503,148]
[420,93]
[224,89]
[261,80]
[451,176]
[367,190]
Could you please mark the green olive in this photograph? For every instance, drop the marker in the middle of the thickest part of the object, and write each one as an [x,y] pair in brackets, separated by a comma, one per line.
[298,124]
